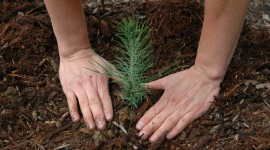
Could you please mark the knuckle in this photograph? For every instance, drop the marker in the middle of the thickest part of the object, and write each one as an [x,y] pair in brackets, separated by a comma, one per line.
[84,103]
[171,120]
[101,78]
[154,110]
[176,129]
[70,99]
[160,118]
[99,117]
[88,118]
[107,106]
[105,97]
[72,109]
[102,83]
[75,84]
[184,120]
[149,128]
[94,101]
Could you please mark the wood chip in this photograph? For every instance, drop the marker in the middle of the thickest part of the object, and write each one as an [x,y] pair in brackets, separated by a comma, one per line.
[267,103]
[3,100]
[203,142]
[256,113]
[42,62]
[48,136]
[52,95]
[143,108]
[235,117]
[53,111]
[85,130]
[235,87]
[50,122]
[105,28]
[33,83]
[243,136]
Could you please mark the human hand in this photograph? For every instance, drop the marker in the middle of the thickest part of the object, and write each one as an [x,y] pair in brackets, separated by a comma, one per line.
[89,87]
[188,94]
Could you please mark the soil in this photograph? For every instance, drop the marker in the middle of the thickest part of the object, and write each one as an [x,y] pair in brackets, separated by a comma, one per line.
[34,110]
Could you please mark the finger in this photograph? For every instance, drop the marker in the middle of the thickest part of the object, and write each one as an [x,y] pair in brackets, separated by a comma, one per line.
[164,118]
[72,104]
[168,124]
[152,112]
[94,102]
[182,124]
[155,123]
[103,91]
[158,84]
[85,108]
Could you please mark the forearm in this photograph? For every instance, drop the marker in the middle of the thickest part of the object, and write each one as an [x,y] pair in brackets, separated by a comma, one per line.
[223,22]
[69,25]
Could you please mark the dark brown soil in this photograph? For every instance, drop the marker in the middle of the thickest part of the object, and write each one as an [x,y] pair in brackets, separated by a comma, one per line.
[33,104]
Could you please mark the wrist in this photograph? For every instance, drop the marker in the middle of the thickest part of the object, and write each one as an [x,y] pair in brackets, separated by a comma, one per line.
[72,45]
[211,74]
[76,54]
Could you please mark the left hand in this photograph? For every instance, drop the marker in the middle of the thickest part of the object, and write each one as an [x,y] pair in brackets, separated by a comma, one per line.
[188,94]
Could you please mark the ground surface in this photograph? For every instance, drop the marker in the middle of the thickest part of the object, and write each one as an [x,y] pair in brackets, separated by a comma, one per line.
[34,109]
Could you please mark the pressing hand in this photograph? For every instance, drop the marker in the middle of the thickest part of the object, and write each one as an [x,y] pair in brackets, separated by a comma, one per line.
[188,94]
[89,87]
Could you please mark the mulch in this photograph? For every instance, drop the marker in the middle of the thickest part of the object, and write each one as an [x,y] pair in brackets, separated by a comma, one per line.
[33,107]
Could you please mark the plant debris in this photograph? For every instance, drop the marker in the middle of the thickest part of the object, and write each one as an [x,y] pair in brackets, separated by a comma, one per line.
[33,103]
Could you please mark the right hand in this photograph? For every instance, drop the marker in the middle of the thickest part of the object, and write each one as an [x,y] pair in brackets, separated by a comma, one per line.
[89,87]
[187,96]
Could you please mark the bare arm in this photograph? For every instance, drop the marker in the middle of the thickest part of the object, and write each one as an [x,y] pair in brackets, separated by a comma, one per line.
[221,29]
[90,88]
[69,25]
[190,93]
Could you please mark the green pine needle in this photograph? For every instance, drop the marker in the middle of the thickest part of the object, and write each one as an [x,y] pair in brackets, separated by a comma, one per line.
[130,69]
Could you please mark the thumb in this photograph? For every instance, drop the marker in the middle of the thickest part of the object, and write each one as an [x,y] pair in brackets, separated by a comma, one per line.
[158,84]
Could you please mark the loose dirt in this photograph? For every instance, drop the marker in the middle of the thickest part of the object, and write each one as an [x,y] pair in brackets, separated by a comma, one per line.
[34,110]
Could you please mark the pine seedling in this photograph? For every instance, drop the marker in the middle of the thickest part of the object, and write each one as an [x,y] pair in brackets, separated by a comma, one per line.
[130,68]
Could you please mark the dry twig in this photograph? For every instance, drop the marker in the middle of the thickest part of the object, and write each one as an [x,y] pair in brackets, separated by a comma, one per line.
[56,131]
[25,142]
[34,9]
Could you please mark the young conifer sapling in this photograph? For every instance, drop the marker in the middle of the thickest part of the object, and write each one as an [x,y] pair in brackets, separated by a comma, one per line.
[130,68]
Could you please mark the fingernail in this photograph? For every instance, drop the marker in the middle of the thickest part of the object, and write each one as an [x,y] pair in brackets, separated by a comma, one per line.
[100,124]
[75,118]
[169,135]
[153,138]
[143,135]
[139,125]
[91,125]
[109,116]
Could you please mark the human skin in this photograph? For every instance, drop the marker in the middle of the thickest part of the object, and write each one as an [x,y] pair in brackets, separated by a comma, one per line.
[190,93]
[90,88]
[187,94]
